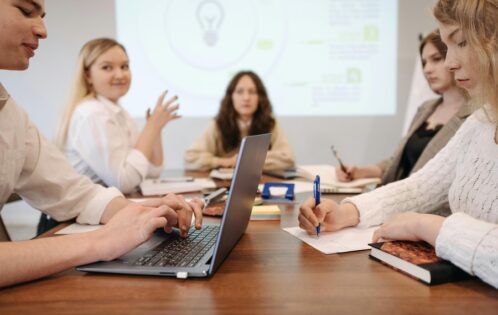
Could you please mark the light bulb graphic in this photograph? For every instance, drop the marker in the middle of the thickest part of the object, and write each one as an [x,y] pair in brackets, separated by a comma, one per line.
[210,15]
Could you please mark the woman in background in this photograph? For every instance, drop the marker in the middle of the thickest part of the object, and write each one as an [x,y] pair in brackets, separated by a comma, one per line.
[464,174]
[98,136]
[245,110]
[435,122]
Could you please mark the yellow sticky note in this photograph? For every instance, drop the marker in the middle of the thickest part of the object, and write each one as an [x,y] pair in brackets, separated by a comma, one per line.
[271,212]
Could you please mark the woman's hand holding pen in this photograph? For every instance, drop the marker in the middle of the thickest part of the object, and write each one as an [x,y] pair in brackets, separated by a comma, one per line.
[330,215]
[348,173]
[344,173]
[164,112]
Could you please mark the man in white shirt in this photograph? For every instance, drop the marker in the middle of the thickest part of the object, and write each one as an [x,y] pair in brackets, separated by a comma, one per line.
[33,168]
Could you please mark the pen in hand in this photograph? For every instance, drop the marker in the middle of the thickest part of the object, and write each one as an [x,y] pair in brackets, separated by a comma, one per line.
[343,167]
[316,195]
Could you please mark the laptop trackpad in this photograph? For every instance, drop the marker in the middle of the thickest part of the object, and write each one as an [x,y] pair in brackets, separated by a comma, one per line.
[157,238]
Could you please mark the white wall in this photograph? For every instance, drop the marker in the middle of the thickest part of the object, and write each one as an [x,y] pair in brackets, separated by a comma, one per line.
[43,89]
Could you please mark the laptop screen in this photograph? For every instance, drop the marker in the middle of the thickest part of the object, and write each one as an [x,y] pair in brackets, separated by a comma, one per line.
[243,190]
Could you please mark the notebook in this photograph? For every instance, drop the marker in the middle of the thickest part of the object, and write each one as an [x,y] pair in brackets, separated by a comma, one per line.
[328,178]
[165,254]
[418,260]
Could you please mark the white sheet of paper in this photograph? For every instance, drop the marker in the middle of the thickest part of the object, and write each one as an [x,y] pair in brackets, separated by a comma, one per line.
[347,240]
[301,186]
[206,183]
[79,228]
[328,176]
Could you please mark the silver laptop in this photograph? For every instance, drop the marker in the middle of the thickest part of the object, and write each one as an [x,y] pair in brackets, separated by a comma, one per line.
[203,251]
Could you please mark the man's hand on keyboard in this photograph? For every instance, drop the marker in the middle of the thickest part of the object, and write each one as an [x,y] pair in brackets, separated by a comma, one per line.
[184,211]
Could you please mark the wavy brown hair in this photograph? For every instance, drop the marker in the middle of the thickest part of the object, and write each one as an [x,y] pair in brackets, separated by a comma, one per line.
[226,119]
[435,39]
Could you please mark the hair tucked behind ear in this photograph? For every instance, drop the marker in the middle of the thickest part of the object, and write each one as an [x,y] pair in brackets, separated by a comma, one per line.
[80,88]
[226,120]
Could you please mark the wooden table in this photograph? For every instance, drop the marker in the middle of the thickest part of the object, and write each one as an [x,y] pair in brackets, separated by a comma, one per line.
[268,272]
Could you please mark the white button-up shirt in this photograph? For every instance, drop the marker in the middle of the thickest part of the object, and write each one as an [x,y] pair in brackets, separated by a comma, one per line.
[36,170]
[100,144]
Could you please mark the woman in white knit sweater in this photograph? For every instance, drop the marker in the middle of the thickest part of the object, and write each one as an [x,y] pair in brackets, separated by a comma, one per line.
[464,174]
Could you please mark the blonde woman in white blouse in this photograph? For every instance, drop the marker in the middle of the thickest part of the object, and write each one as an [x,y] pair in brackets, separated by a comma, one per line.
[37,171]
[463,175]
[98,136]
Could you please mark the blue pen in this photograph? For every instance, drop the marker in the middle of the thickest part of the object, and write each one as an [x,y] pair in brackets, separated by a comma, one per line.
[316,195]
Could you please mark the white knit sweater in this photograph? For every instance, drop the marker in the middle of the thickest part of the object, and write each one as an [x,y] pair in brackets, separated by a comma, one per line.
[463,174]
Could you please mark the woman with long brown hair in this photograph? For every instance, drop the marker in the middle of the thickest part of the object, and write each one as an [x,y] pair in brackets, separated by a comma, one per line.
[245,110]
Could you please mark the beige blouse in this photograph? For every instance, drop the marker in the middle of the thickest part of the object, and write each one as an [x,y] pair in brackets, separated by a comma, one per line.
[206,152]
[36,170]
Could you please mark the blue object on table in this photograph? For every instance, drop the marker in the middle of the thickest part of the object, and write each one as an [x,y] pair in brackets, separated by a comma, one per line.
[316,195]
[289,194]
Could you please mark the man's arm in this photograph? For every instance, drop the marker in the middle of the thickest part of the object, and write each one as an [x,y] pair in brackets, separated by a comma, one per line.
[112,208]
[27,260]
[131,226]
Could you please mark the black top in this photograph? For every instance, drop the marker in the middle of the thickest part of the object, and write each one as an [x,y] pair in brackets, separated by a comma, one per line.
[415,146]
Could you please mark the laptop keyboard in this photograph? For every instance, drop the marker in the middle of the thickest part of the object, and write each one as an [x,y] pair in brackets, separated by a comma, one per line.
[179,252]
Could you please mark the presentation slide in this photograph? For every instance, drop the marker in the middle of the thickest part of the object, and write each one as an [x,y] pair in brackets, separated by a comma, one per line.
[316,58]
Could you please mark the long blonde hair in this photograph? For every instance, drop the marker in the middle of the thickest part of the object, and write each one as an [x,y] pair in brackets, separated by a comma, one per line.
[80,88]
[477,20]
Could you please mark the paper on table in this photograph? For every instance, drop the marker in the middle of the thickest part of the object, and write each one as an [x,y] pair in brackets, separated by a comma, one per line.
[152,187]
[346,240]
[79,228]
[206,183]
[328,177]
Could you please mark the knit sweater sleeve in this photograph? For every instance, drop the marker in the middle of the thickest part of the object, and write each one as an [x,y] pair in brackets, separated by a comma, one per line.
[471,244]
[424,191]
